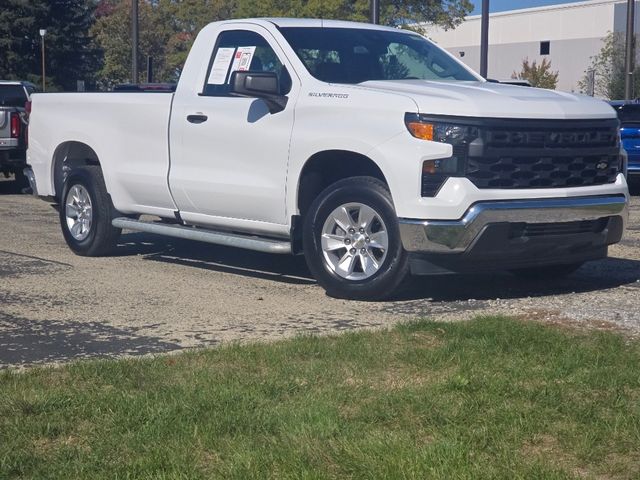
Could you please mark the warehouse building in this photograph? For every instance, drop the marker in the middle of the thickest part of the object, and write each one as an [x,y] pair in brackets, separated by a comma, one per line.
[568,35]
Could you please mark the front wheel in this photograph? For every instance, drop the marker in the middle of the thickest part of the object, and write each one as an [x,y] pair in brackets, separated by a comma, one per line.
[352,240]
[86,212]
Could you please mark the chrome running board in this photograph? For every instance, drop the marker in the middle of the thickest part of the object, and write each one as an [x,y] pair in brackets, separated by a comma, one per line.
[249,242]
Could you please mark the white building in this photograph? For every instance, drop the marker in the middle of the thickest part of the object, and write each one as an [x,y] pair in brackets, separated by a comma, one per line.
[568,35]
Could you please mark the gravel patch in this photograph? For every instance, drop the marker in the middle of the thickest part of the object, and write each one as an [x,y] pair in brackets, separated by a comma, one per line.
[158,294]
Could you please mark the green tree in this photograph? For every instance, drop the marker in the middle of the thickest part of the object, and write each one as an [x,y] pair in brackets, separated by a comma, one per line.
[609,71]
[70,56]
[169,27]
[406,13]
[540,76]
[189,17]
[112,32]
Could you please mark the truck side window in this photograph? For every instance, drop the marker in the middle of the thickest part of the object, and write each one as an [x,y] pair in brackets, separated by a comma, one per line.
[239,50]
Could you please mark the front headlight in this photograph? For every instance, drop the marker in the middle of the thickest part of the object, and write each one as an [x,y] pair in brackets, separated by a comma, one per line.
[436,131]
[436,172]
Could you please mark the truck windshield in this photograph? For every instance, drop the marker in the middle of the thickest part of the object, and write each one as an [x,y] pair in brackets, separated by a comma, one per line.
[355,55]
[12,96]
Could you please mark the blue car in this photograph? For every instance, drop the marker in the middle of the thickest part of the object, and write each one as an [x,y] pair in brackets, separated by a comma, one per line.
[629,115]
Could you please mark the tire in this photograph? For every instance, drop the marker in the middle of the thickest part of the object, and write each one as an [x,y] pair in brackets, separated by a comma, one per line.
[95,236]
[549,272]
[373,272]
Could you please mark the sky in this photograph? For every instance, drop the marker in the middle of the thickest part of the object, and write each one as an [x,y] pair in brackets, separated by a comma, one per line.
[503,5]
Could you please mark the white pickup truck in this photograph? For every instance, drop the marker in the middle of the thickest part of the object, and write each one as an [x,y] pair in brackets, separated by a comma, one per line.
[369,149]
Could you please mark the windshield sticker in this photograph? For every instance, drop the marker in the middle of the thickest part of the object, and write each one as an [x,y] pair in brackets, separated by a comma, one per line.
[220,67]
[328,95]
[242,59]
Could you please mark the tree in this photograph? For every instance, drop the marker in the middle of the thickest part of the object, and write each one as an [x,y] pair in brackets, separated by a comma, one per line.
[112,32]
[406,13]
[609,70]
[189,16]
[169,27]
[540,76]
[70,56]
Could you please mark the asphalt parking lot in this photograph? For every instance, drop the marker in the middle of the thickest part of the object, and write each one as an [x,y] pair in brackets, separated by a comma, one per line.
[160,295]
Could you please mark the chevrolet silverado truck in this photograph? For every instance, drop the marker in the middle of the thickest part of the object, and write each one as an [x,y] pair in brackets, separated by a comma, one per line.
[370,150]
[14,103]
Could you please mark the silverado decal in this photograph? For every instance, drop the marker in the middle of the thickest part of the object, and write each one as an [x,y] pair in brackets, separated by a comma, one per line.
[328,95]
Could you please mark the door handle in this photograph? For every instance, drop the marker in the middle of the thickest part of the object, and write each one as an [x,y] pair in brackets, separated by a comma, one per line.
[197,118]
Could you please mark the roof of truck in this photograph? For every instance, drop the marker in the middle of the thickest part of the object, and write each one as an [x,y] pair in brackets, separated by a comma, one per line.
[16,82]
[314,22]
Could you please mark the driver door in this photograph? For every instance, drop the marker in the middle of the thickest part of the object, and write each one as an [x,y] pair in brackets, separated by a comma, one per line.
[229,154]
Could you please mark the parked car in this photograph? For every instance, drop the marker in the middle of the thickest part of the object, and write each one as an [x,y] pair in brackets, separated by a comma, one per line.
[629,115]
[369,149]
[14,106]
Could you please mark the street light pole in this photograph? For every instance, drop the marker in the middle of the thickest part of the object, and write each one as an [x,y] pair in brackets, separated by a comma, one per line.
[43,32]
[134,41]
[374,11]
[629,53]
[484,39]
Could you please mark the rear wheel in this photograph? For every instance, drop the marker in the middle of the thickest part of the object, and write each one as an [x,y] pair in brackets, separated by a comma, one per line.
[352,241]
[86,212]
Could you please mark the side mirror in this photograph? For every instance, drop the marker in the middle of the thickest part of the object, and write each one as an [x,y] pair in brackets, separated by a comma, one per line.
[262,85]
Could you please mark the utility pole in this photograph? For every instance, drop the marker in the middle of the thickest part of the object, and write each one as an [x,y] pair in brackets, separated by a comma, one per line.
[374,11]
[149,69]
[134,41]
[629,54]
[43,32]
[484,39]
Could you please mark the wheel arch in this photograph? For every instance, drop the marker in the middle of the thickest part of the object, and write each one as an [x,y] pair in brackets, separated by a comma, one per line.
[67,156]
[327,167]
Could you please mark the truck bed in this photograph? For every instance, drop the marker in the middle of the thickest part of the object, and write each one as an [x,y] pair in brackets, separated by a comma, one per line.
[127,131]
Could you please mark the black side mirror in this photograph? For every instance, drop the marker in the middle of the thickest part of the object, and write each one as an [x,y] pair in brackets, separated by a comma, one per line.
[262,85]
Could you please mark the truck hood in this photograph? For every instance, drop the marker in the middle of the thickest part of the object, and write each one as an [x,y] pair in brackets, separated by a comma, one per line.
[493,100]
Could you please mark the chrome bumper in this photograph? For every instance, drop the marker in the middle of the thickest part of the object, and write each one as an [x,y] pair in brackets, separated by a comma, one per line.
[9,143]
[456,236]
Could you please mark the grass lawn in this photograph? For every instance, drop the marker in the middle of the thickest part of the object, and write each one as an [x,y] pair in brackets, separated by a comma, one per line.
[491,398]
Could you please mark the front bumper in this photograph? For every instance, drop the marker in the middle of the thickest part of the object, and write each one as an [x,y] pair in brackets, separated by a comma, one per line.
[459,236]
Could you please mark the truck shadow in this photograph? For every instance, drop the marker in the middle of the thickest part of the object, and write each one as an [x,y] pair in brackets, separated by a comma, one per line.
[25,342]
[279,268]
[591,277]
[594,276]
